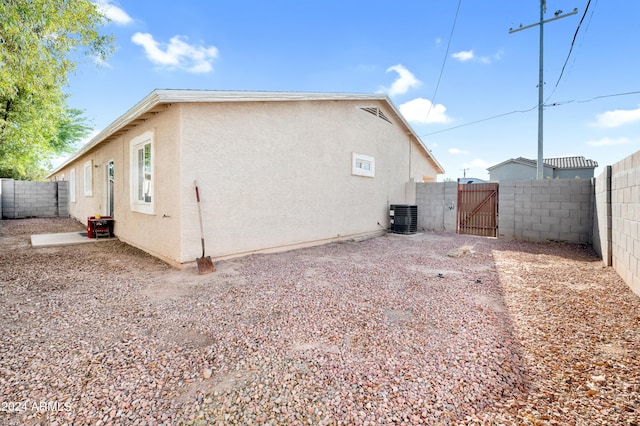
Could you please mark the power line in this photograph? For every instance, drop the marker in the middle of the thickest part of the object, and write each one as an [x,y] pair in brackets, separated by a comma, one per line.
[573,42]
[586,30]
[582,101]
[555,104]
[446,55]
[480,121]
[540,24]
[636,92]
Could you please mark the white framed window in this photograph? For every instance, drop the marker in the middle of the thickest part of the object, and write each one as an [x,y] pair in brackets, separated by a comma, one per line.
[72,185]
[141,159]
[88,179]
[363,165]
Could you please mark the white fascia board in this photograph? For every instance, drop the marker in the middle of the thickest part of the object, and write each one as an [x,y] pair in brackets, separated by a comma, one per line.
[147,103]
[165,96]
[168,95]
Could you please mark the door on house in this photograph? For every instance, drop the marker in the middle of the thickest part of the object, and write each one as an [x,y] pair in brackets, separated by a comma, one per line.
[478,209]
[109,180]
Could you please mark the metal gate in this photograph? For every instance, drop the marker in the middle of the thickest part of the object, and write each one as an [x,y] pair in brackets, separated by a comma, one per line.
[478,209]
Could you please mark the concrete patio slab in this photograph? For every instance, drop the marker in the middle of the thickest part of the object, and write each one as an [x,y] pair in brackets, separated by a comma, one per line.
[64,239]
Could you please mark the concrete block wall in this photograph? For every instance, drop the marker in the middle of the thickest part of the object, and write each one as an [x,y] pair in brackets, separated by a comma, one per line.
[23,199]
[63,198]
[507,209]
[542,210]
[436,203]
[601,240]
[8,198]
[603,211]
[625,220]
[530,210]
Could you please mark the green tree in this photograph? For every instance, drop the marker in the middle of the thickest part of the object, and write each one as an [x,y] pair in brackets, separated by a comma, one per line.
[40,43]
[72,127]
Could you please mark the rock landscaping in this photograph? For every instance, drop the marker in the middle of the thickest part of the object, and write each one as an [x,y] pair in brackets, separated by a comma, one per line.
[429,328]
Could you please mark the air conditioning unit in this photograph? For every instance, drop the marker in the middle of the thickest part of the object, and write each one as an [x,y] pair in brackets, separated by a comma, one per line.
[403,218]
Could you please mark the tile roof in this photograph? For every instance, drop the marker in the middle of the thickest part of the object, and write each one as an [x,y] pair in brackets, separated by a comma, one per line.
[571,163]
[577,162]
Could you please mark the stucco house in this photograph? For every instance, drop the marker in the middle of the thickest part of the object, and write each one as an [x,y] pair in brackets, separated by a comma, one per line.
[554,168]
[276,171]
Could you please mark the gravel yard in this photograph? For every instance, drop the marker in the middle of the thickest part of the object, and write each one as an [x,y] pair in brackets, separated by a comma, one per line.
[428,328]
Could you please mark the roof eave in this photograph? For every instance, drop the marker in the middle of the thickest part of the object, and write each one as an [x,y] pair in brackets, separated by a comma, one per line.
[145,105]
[167,96]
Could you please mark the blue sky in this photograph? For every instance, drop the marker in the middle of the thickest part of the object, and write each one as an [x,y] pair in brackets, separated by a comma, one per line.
[448,81]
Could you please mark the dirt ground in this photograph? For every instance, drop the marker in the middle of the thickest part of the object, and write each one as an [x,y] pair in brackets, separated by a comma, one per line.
[430,328]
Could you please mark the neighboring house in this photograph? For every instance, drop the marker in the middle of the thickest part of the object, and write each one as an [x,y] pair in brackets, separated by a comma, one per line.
[276,171]
[554,168]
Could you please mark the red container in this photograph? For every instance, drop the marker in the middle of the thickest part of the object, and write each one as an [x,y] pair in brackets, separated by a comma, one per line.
[91,225]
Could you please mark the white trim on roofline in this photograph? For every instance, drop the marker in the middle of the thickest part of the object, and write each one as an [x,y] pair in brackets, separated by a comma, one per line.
[167,96]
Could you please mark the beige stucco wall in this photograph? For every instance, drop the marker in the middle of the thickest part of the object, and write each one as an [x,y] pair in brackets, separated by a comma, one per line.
[272,176]
[422,168]
[279,175]
[158,233]
[84,205]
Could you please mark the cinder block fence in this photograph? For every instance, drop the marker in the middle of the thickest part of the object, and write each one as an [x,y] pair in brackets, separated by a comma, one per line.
[603,212]
[25,199]
[545,210]
[557,210]
[436,203]
[622,214]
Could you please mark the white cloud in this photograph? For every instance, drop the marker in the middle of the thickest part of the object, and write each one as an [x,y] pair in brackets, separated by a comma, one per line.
[438,41]
[617,118]
[405,81]
[468,55]
[178,53]
[465,55]
[415,111]
[477,163]
[608,141]
[456,151]
[113,13]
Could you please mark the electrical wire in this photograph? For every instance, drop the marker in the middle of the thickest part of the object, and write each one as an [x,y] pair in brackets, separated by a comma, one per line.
[446,55]
[480,121]
[573,42]
[636,92]
[582,101]
[555,104]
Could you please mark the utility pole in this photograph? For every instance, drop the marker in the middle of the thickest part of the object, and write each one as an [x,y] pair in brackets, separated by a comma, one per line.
[557,15]
[464,173]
